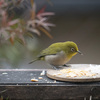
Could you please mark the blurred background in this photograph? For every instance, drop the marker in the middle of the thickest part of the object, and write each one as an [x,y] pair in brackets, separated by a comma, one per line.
[75,20]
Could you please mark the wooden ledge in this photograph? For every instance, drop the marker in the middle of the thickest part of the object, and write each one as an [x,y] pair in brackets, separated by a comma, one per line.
[17,85]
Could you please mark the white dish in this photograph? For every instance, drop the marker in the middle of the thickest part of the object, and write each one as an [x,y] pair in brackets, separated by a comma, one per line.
[92,73]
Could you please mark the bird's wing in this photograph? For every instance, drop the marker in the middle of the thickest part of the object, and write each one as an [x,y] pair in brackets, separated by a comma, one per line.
[51,50]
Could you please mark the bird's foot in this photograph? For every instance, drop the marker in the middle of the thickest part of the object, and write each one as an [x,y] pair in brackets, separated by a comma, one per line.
[56,67]
[67,65]
[60,67]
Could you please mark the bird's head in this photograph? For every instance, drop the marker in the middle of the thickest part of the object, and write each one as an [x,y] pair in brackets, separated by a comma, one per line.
[71,48]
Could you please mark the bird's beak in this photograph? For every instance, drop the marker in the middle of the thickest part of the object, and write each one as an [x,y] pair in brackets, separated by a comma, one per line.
[79,52]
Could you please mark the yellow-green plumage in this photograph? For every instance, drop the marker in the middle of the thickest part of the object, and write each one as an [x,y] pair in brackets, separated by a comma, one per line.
[57,47]
[58,53]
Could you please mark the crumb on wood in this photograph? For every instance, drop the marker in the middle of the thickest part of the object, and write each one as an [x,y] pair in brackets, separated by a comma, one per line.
[42,73]
[34,80]
[40,77]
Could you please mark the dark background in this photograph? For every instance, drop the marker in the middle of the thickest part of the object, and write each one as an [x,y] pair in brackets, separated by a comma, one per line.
[78,21]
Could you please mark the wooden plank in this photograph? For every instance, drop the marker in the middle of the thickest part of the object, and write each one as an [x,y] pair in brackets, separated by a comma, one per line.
[48,92]
[17,85]
[21,70]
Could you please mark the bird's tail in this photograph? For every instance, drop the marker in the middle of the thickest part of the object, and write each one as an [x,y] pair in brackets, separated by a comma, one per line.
[33,61]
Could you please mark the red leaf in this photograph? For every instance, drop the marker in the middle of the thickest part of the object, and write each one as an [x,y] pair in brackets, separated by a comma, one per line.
[1,3]
[42,10]
[11,40]
[18,2]
[13,22]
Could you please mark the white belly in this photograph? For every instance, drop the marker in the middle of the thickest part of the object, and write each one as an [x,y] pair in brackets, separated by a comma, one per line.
[57,60]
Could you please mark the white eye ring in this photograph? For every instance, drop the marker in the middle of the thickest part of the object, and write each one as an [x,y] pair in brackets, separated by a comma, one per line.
[72,49]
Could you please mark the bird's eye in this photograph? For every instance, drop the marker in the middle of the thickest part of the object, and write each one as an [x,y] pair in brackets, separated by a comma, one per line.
[72,49]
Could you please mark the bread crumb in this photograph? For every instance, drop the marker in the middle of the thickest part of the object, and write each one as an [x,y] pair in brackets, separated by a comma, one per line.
[54,81]
[40,77]
[76,73]
[34,80]
[4,73]
[42,73]
[59,74]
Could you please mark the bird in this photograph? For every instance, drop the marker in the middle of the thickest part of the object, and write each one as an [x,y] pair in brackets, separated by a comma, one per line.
[58,54]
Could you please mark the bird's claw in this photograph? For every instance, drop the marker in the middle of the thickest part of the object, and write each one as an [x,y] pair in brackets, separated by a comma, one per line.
[56,68]
[66,65]
[60,67]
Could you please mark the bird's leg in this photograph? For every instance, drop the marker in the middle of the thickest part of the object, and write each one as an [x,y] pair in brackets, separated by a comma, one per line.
[55,67]
[67,65]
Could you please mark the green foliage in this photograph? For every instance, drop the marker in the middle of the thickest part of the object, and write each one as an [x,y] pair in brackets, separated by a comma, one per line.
[14,55]
[2,98]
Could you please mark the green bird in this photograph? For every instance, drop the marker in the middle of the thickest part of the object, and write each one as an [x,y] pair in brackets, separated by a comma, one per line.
[58,54]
